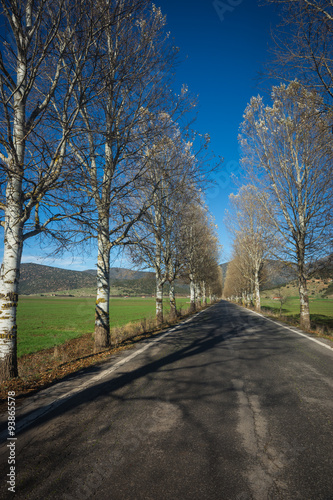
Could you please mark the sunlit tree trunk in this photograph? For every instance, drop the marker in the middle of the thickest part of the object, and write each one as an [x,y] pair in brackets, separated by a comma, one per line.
[102,314]
[257,290]
[10,272]
[158,262]
[192,295]
[159,299]
[304,305]
[204,298]
[303,290]
[172,299]
[197,295]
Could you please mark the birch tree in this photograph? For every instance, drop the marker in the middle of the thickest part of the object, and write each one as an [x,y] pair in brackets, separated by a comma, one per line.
[303,45]
[236,286]
[247,221]
[159,241]
[287,149]
[33,58]
[215,285]
[192,235]
[135,63]
[210,274]
[201,250]
[244,262]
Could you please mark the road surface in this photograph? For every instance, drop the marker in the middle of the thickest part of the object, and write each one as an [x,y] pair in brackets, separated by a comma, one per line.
[227,406]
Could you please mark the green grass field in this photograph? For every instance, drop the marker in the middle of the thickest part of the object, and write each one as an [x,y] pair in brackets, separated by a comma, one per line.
[321,310]
[44,322]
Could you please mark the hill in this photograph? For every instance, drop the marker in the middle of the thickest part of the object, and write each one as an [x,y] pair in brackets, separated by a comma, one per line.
[224,268]
[37,279]
[276,273]
[323,268]
[120,273]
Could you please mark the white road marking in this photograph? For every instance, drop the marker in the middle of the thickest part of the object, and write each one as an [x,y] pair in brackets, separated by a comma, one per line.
[292,330]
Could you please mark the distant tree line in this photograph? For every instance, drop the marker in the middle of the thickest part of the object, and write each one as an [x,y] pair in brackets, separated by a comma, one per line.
[285,212]
[94,145]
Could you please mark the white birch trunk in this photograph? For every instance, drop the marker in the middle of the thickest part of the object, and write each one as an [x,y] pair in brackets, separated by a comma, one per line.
[197,296]
[192,295]
[159,299]
[102,314]
[303,298]
[158,263]
[172,299]
[10,272]
[302,284]
[257,290]
[13,234]
[204,298]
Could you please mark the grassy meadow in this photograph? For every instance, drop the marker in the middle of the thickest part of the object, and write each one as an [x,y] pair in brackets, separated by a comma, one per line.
[321,309]
[45,322]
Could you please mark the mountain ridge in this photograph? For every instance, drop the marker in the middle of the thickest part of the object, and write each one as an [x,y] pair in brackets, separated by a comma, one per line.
[122,273]
[281,273]
[37,278]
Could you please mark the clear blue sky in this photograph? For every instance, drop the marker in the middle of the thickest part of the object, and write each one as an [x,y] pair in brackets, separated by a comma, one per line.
[223,46]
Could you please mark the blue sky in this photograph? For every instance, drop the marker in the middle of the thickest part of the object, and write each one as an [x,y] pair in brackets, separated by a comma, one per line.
[223,46]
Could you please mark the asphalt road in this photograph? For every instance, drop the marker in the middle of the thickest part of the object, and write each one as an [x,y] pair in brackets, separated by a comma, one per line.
[228,406]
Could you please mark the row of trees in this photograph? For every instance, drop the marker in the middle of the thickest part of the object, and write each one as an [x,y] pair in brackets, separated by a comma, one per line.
[287,152]
[248,223]
[175,235]
[92,141]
